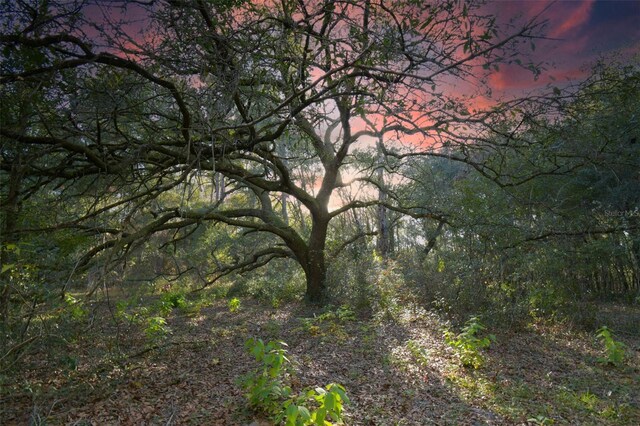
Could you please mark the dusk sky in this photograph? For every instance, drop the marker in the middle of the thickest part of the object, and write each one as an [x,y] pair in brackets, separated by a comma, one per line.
[579,32]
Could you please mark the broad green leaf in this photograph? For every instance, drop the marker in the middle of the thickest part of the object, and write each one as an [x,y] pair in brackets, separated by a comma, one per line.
[304,413]
[329,401]
[292,414]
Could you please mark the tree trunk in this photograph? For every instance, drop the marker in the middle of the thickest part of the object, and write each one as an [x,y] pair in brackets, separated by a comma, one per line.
[10,207]
[316,268]
[383,241]
[431,241]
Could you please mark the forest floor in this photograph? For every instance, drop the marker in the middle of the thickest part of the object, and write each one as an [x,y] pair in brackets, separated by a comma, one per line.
[396,371]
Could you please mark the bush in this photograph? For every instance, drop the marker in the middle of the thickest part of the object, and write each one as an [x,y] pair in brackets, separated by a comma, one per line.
[234,305]
[467,343]
[614,350]
[156,328]
[171,300]
[268,392]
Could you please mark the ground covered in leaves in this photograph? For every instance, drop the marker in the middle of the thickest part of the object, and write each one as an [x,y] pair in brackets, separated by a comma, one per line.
[397,370]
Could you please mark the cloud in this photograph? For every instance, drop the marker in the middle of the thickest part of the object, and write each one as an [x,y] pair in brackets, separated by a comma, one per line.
[577,17]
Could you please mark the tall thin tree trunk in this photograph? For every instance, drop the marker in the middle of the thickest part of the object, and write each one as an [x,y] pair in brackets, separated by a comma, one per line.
[431,242]
[285,213]
[383,242]
[10,207]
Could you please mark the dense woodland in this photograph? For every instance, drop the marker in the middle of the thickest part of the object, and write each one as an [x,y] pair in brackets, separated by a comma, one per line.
[181,179]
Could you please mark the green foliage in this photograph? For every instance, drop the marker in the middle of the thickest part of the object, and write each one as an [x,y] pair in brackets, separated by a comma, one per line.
[174,299]
[589,400]
[265,386]
[418,352]
[387,286]
[468,344]
[156,328]
[540,420]
[342,314]
[281,282]
[327,404]
[329,322]
[125,312]
[75,308]
[614,350]
[234,305]
[268,392]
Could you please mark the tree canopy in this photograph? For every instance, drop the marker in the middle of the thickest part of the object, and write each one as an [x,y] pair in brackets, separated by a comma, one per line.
[259,105]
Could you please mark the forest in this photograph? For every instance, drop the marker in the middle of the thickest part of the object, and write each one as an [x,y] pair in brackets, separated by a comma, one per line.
[312,212]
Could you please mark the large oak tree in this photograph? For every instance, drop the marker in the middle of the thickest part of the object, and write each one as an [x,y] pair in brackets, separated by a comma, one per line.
[274,103]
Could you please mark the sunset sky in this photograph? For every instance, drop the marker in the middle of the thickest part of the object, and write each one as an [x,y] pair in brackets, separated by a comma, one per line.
[579,32]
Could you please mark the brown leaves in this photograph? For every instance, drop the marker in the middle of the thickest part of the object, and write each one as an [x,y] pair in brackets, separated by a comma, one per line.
[191,378]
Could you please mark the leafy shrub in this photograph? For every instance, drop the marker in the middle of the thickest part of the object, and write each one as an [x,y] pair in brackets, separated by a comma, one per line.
[234,305]
[615,351]
[127,311]
[282,282]
[387,287]
[171,300]
[467,344]
[75,308]
[343,313]
[329,405]
[265,387]
[156,328]
[268,392]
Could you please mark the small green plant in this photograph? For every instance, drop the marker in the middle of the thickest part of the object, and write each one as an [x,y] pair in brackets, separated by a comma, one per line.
[75,308]
[268,392]
[309,326]
[126,311]
[345,313]
[234,305]
[156,328]
[614,350]
[265,387]
[418,352]
[171,300]
[540,420]
[589,400]
[467,344]
[329,322]
[328,403]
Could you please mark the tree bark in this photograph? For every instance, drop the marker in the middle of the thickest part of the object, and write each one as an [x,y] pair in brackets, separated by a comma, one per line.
[316,268]
[384,241]
[431,242]
[11,208]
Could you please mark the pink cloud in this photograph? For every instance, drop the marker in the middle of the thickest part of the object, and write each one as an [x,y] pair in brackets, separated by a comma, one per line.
[577,18]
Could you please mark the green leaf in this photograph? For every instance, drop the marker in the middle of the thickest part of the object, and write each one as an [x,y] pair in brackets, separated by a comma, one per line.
[320,416]
[330,401]
[6,267]
[292,414]
[304,413]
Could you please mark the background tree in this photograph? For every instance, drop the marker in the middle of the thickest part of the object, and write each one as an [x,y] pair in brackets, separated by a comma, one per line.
[549,217]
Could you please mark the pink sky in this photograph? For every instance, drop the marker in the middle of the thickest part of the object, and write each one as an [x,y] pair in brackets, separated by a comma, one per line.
[578,32]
